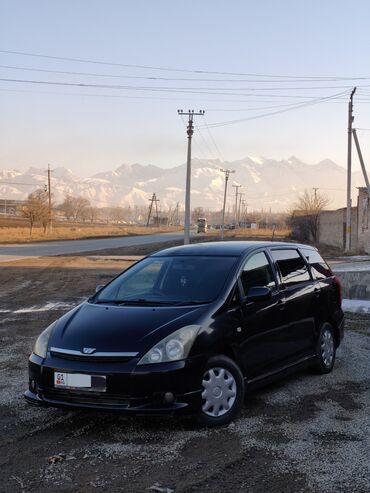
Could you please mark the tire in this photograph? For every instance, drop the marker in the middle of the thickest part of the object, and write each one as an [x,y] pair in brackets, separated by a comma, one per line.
[325,349]
[222,392]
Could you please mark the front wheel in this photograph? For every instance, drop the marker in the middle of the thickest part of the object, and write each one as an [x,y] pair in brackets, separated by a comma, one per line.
[325,349]
[222,392]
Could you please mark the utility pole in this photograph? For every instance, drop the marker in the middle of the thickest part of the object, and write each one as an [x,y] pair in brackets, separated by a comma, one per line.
[152,200]
[49,195]
[315,191]
[227,174]
[172,221]
[240,201]
[236,202]
[244,208]
[349,172]
[190,131]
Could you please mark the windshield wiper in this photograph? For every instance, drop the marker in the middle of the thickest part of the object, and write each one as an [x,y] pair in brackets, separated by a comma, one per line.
[142,301]
[193,302]
[102,302]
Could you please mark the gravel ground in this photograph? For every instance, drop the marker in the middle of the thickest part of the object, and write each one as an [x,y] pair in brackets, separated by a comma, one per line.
[307,433]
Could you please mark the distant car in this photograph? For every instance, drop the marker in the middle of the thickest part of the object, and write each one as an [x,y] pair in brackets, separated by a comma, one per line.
[202,225]
[190,329]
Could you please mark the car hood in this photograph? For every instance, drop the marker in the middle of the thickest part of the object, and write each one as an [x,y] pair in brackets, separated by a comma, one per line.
[121,328]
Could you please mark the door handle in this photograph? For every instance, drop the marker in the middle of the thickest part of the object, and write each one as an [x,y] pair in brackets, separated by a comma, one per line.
[281,304]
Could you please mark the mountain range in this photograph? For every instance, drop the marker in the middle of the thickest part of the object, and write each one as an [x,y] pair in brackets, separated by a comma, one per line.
[266,183]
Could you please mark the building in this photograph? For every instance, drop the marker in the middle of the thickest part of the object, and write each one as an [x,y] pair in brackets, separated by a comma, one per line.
[332,226]
[10,207]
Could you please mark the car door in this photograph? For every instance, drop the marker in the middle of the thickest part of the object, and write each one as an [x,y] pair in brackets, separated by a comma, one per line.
[298,315]
[259,339]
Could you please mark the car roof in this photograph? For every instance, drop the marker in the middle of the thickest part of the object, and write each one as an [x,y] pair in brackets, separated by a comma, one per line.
[223,248]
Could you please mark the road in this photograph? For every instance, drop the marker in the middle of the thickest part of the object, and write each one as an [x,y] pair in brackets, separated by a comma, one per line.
[9,253]
[306,433]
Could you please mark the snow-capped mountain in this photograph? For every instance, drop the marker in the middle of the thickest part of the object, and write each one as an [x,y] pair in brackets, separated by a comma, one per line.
[266,183]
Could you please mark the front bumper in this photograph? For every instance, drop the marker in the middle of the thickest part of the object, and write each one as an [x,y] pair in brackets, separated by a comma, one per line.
[130,388]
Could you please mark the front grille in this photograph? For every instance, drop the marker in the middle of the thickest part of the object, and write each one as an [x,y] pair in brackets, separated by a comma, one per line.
[91,358]
[92,398]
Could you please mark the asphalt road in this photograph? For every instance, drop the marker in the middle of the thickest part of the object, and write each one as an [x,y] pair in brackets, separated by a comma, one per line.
[19,251]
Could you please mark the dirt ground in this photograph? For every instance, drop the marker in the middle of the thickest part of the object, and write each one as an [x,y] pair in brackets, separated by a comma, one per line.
[307,433]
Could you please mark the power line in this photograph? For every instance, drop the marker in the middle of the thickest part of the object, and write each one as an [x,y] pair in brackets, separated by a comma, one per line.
[211,152]
[203,100]
[151,77]
[153,89]
[171,69]
[263,115]
[213,140]
[120,76]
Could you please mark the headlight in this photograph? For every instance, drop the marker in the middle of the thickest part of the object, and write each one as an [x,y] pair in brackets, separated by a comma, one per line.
[174,347]
[41,345]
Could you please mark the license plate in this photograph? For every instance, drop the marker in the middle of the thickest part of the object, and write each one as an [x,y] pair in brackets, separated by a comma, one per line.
[79,381]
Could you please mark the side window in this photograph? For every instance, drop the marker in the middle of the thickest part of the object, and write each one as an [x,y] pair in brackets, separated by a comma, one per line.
[291,265]
[319,267]
[257,271]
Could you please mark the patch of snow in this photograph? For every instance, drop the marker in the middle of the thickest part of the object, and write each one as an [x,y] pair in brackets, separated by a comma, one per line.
[256,160]
[174,189]
[217,184]
[352,267]
[356,306]
[256,176]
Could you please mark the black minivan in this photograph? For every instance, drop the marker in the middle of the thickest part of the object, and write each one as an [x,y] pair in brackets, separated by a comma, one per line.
[191,329]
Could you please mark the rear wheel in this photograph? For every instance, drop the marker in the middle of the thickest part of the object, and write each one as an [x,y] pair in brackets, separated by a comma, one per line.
[325,349]
[222,392]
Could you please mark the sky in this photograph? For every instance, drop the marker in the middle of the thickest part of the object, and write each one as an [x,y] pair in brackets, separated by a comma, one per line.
[285,52]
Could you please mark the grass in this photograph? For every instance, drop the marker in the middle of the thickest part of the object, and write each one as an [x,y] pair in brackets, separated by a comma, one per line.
[259,234]
[21,234]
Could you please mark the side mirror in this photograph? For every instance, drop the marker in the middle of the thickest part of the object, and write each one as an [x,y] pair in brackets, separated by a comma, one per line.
[99,287]
[258,293]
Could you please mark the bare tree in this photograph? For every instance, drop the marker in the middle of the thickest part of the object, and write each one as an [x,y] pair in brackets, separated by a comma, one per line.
[81,204]
[116,214]
[36,209]
[197,213]
[91,213]
[306,213]
[75,207]
[67,207]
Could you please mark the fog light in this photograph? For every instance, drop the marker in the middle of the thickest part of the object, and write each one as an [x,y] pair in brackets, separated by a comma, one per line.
[32,386]
[168,397]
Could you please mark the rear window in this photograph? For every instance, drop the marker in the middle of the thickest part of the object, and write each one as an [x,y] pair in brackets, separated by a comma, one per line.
[319,267]
[291,265]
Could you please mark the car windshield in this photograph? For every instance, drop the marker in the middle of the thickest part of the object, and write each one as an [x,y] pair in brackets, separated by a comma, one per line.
[169,280]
